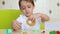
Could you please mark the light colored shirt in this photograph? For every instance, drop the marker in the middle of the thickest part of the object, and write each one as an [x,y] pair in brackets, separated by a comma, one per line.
[23,18]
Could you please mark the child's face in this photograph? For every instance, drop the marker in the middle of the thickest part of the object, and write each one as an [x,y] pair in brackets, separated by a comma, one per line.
[27,8]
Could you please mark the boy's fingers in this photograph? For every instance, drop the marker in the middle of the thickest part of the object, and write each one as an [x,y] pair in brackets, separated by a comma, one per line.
[17,27]
[19,24]
[30,18]
[33,19]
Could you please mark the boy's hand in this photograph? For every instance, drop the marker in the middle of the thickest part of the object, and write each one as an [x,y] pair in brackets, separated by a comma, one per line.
[34,16]
[16,25]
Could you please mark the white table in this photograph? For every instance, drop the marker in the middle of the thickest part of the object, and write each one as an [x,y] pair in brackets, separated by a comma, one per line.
[3,31]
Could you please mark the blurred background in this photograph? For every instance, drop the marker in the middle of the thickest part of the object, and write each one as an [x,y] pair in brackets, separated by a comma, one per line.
[48,7]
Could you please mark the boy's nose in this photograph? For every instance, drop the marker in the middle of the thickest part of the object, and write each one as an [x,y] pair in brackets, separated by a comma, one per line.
[26,10]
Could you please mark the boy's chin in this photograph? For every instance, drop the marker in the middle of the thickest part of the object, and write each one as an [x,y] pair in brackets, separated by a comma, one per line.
[27,15]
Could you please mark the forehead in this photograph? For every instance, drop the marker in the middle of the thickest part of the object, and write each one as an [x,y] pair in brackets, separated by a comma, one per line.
[25,3]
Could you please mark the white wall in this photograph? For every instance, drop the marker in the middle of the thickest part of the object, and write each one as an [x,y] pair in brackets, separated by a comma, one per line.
[9,4]
[44,6]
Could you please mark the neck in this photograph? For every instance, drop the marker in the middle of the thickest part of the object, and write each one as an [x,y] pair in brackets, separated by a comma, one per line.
[29,15]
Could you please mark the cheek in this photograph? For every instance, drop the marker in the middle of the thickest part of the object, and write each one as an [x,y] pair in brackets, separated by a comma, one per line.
[31,10]
[23,11]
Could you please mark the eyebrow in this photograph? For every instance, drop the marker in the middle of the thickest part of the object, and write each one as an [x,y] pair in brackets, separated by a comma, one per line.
[28,5]
[22,6]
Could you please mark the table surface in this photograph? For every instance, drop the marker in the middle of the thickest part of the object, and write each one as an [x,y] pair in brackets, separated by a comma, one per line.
[3,31]
[28,32]
[47,27]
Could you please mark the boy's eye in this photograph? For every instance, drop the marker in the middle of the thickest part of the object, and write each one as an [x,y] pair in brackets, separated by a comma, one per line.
[23,8]
[28,6]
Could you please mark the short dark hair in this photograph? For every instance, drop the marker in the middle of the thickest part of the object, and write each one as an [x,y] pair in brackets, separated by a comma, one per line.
[32,1]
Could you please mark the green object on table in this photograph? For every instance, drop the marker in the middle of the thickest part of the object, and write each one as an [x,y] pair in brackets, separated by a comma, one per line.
[9,31]
[52,32]
[35,30]
[7,16]
[42,26]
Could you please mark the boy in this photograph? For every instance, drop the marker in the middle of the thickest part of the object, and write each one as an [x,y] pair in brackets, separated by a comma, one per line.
[27,7]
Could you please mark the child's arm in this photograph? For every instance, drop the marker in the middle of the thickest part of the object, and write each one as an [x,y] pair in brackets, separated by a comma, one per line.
[43,17]
[36,15]
[16,25]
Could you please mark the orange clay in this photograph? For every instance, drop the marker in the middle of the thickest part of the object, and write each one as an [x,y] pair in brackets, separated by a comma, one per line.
[32,24]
